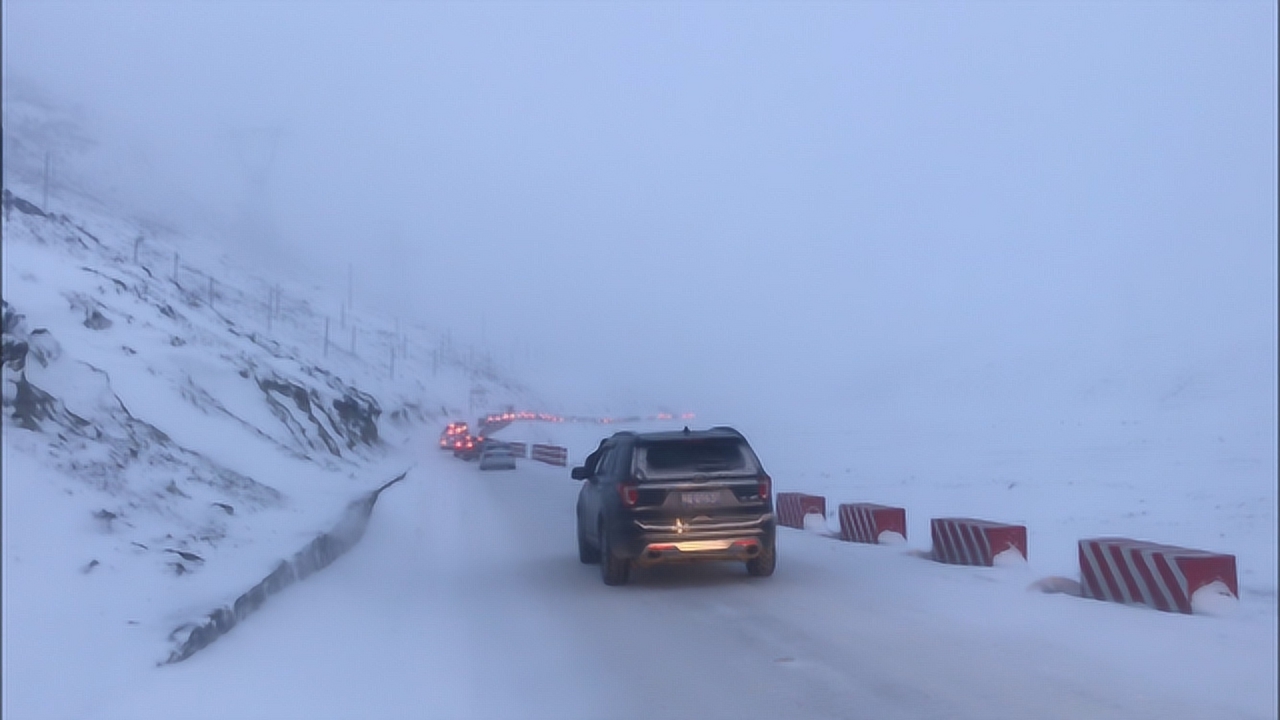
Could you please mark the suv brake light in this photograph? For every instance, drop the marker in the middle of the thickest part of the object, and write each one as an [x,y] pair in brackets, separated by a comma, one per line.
[629,494]
[766,485]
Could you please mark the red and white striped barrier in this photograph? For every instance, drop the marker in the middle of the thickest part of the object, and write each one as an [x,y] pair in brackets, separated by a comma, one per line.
[966,541]
[550,454]
[518,449]
[864,522]
[1161,576]
[791,507]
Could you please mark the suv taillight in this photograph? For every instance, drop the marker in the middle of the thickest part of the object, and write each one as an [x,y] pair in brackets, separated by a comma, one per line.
[629,494]
[766,486]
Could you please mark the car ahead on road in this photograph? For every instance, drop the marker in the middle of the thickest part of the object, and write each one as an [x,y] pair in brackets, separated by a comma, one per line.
[473,446]
[469,447]
[668,497]
[453,434]
[497,456]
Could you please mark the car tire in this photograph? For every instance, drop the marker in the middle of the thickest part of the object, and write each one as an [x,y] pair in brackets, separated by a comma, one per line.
[586,554]
[613,570]
[763,564]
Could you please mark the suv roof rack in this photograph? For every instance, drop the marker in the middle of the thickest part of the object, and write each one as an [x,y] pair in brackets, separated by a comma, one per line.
[687,433]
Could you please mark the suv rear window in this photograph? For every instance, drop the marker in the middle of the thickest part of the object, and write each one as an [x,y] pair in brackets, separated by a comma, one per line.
[709,455]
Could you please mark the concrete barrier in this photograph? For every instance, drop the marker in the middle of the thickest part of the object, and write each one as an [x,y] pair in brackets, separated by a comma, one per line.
[318,554]
[550,454]
[967,541]
[1164,577]
[791,507]
[865,522]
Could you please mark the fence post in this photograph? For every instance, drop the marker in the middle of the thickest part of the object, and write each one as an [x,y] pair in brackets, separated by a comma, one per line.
[44,202]
[210,292]
[176,260]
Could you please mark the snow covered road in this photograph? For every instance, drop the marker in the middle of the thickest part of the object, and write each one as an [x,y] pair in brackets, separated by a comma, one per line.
[466,600]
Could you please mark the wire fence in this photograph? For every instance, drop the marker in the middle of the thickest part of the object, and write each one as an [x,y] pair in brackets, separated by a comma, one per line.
[294,322]
[265,309]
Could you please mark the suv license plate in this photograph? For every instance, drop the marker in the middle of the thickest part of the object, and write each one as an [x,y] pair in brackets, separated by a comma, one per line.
[700,498]
[702,545]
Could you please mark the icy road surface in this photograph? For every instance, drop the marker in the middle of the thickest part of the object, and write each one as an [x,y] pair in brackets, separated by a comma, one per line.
[466,600]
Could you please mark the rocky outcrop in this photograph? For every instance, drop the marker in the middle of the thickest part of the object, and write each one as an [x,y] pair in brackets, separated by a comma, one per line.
[30,405]
[288,401]
[346,421]
[140,468]
[359,415]
[13,341]
[13,202]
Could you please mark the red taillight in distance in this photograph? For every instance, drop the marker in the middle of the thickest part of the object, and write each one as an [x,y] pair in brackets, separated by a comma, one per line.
[766,486]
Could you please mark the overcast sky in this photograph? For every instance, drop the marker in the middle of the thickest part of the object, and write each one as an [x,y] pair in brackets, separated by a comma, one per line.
[726,204]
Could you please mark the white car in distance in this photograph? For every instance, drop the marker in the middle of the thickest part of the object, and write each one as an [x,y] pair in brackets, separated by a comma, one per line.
[497,456]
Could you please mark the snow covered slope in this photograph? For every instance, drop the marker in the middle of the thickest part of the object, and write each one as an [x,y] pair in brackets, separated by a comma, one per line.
[174,425]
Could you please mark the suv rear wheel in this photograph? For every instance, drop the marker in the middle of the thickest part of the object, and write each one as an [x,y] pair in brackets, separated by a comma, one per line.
[586,554]
[763,564]
[613,570]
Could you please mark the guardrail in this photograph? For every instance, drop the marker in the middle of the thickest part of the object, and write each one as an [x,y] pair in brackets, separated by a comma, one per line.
[550,454]
[1116,569]
[318,554]
[1161,576]
[792,507]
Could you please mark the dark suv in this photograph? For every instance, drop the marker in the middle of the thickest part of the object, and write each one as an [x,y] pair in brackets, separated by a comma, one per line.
[674,497]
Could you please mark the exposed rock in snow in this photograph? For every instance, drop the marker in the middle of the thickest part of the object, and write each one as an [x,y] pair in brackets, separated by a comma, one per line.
[12,202]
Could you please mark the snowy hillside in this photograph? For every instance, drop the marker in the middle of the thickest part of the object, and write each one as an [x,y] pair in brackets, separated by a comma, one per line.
[149,378]
[175,424]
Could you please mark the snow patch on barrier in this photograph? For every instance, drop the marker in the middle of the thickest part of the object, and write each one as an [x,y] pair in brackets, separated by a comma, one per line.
[1011,557]
[1214,599]
[889,537]
[815,523]
[317,555]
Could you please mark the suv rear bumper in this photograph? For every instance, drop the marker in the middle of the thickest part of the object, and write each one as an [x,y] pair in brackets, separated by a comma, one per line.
[664,541]
[686,551]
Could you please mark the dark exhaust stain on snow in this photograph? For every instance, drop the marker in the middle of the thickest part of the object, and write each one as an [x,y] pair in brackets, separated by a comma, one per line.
[317,555]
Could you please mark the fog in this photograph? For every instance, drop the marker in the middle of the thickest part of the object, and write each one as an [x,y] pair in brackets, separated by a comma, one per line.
[929,215]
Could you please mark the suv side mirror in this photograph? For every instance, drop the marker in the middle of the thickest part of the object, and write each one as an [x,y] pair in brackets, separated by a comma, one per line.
[578,473]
